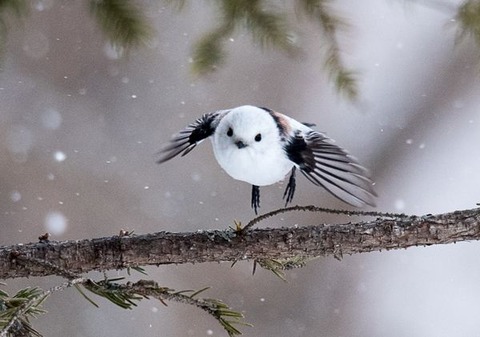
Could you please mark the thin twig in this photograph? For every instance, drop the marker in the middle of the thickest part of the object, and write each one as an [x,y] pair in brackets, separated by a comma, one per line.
[312,208]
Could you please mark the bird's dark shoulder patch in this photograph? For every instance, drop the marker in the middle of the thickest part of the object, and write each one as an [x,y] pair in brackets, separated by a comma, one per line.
[282,123]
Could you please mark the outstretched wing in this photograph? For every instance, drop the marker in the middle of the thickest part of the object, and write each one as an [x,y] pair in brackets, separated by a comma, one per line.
[328,165]
[186,140]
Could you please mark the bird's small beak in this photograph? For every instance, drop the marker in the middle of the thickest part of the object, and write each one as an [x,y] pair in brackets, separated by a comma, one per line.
[240,144]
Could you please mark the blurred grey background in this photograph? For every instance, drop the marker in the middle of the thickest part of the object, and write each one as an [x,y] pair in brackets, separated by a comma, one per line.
[80,127]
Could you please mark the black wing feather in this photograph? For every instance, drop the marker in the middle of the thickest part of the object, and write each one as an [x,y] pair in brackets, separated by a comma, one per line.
[187,139]
[328,165]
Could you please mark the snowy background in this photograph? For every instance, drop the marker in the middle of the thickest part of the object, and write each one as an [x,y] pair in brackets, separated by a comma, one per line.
[79,129]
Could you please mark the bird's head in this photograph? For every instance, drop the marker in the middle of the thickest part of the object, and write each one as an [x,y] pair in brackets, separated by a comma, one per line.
[247,128]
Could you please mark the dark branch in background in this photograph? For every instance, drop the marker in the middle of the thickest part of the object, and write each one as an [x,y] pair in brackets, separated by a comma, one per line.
[387,232]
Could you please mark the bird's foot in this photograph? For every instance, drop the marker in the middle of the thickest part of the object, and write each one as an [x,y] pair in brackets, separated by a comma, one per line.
[290,190]
[255,198]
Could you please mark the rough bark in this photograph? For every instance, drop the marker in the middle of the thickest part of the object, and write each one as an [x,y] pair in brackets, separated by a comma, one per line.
[119,252]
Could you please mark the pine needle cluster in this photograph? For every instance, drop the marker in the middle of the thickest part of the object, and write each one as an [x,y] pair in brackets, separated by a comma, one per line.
[125,25]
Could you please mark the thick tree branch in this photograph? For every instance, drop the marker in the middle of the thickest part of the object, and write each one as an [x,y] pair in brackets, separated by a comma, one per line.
[119,252]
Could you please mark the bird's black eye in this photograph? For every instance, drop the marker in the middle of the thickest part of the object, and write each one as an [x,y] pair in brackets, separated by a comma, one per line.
[230,132]
[258,137]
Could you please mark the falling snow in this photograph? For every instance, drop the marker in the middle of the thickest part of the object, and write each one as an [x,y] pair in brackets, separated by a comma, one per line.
[15,196]
[42,5]
[55,223]
[196,176]
[399,204]
[59,156]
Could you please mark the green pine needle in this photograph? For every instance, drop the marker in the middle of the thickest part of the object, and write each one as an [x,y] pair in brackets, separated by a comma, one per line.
[343,79]
[79,288]
[138,269]
[208,54]
[122,21]
[346,83]
[320,11]
[220,311]
[198,292]
[270,30]
[124,296]
[18,7]
[274,266]
[468,16]
[277,266]
[113,293]
[16,311]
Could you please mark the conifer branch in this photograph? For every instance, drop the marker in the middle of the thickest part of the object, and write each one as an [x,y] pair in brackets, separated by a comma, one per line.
[343,78]
[16,311]
[126,25]
[19,8]
[468,16]
[227,317]
[267,27]
[122,21]
[208,53]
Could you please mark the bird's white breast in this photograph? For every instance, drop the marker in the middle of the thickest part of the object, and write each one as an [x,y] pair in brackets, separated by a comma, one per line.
[248,165]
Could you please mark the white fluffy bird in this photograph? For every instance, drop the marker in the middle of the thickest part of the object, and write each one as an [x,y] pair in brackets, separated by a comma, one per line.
[261,146]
